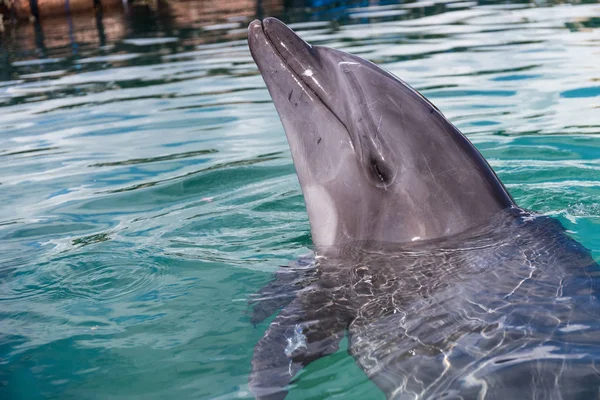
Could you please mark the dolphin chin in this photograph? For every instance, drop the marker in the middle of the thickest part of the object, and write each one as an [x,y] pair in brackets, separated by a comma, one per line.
[375,159]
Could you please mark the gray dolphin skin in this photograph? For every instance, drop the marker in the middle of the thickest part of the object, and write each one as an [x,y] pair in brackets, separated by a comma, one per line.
[444,287]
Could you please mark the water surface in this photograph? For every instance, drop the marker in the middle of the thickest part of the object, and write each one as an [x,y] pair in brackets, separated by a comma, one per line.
[147,189]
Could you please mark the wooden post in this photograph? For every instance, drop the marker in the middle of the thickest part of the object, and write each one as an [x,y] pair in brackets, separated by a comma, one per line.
[35,11]
[260,11]
[99,22]
[39,36]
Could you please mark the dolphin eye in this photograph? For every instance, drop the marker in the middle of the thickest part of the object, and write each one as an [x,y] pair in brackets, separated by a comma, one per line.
[382,174]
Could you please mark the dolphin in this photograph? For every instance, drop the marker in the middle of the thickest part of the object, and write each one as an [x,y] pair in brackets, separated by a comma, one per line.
[444,287]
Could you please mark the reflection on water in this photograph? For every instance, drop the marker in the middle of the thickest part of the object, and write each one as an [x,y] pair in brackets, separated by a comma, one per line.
[147,189]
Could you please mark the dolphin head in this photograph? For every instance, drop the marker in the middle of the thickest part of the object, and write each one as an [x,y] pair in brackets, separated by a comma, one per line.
[376,160]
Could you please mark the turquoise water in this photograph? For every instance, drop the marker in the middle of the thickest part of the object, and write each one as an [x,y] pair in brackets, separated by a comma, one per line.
[147,188]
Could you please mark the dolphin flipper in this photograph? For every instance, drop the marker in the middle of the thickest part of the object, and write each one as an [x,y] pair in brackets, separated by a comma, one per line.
[281,290]
[310,327]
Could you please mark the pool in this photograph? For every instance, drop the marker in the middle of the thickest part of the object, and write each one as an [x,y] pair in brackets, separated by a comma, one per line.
[147,188]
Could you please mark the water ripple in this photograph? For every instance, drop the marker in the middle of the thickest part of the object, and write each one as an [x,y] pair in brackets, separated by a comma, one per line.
[93,276]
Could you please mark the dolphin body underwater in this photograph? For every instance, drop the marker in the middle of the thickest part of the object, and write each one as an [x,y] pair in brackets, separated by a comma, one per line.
[445,288]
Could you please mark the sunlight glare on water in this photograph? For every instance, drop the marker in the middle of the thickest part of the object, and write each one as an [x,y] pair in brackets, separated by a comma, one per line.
[147,189]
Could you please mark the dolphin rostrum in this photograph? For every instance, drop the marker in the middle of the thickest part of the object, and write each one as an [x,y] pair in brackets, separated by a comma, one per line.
[443,285]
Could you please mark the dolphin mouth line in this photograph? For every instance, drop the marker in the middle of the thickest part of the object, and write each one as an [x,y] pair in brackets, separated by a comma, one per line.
[363,158]
[298,77]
